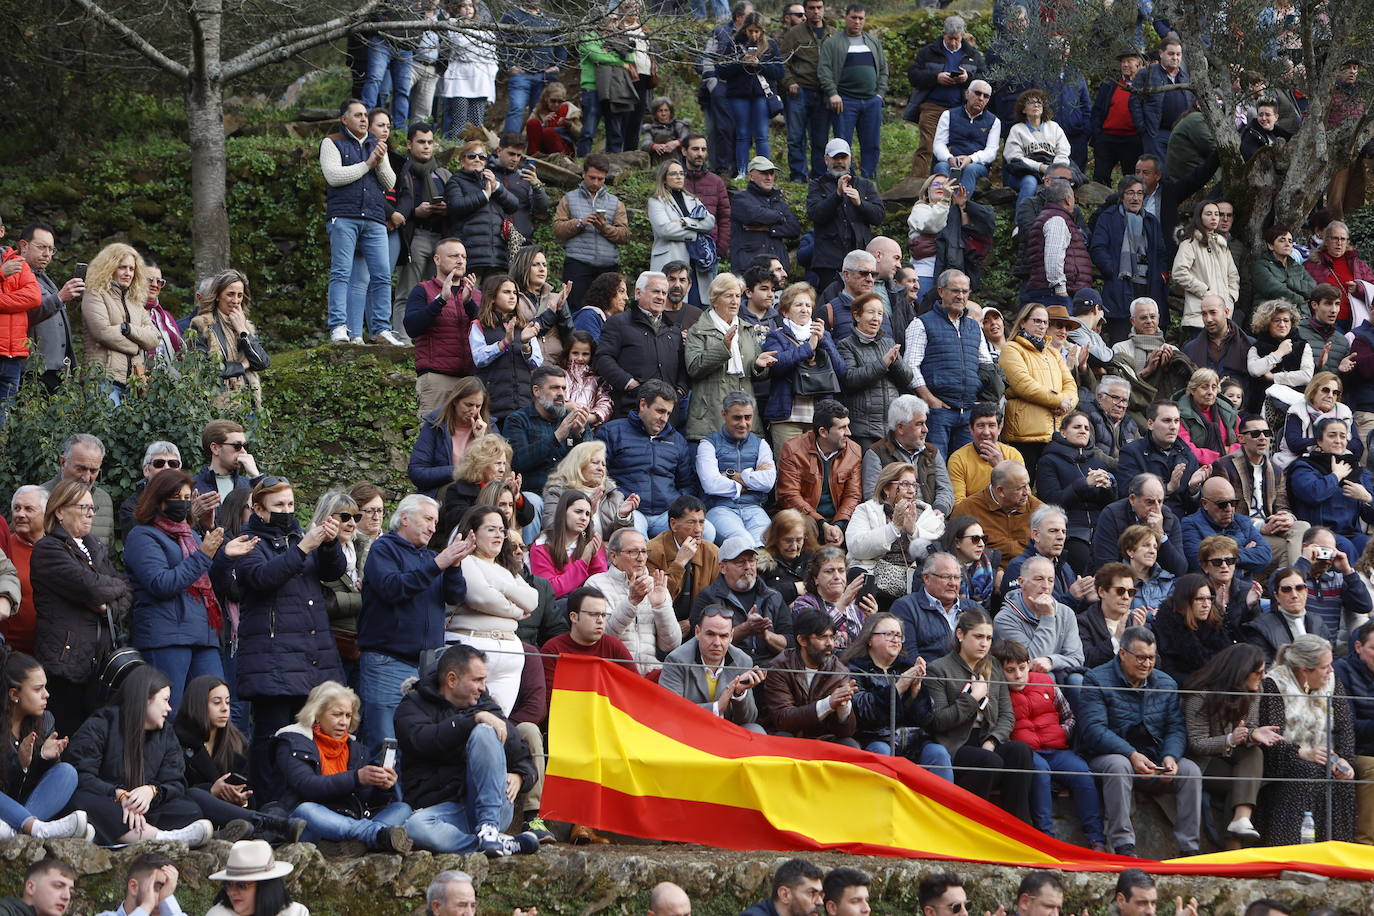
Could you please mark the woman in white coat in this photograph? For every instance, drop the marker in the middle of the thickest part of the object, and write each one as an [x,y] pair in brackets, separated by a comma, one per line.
[678,217]
[468,85]
[894,529]
[1203,265]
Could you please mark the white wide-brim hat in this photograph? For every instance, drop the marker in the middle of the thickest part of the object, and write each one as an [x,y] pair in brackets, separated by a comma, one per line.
[252,860]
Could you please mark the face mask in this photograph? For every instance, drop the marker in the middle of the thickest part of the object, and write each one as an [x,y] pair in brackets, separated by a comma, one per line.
[177,510]
[283,521]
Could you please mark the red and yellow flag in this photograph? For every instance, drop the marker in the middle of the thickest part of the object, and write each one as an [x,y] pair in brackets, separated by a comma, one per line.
[630,757]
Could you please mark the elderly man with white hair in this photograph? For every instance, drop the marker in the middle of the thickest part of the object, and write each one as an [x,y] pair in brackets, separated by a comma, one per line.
[159,456]
[18,619]
[1145,346]
[967,138]
[1113,427]
[640,344]
[906,442]
[407,589]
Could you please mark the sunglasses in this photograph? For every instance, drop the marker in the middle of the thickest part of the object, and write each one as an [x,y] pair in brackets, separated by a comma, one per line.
[981,95]
[1223,561]
[160,463]
[1257,433]
[236,446]
[480,156]
[975,538]
[268,483]
[1327,389]
[345,516]
[157,284]
[1290,589]
[1224,503]
[1124,591]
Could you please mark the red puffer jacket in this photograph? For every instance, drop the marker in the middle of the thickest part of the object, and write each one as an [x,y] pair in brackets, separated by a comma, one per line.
[19,293]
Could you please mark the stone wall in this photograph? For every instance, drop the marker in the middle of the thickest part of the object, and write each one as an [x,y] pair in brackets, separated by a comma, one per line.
[581,881]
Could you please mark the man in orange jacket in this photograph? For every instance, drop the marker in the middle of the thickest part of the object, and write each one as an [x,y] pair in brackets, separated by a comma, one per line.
[19,294]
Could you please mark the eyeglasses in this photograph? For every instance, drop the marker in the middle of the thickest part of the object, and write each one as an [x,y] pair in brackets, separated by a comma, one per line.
[601,615]
[635,551]
[477,156]
[905,484]
[975,538]
[1290,589]
[948,577]
[1223,561]
[84,509]
[1222,503]
[1134,193]
[1142,659]
[345,516]
[376,511]
[893,636]
[160,463]
[515,545]
[1115,398]
[1124,591]
[1257,433]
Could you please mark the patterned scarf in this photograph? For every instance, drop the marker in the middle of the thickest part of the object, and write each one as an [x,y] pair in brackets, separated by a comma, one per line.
[200,589]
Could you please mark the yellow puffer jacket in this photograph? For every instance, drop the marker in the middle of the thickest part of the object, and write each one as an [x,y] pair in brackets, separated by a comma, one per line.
[1037,381]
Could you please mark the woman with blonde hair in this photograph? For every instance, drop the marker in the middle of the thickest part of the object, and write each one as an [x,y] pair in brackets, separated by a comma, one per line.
[677,216]
[800,340]
[1279,355]
[113,315]
[324,779]
[923,227]
[1209,422]
[1321,399]
[225,331]
[1039,386]
[446,434]
[721,357]
[584,469]
[487,459]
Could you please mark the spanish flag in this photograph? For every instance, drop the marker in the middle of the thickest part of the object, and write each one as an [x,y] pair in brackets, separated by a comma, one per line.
[631,757]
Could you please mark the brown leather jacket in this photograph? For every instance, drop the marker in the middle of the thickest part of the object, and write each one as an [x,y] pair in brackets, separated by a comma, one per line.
[799,483]
[789,703]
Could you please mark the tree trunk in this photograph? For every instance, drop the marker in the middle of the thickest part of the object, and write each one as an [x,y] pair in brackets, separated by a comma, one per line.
[210,216]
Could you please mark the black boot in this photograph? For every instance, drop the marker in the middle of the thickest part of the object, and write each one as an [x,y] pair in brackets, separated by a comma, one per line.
[278,830]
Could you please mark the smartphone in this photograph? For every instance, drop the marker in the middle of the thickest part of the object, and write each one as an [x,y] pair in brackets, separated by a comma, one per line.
[529,163]
[389,753]
[436,200]
[80,269]
[955,174]
[601,211]
[236,779]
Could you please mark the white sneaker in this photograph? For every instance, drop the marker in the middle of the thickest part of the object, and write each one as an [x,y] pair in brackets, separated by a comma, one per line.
[194,834]
[356,341]
[389,338]
[6,831]
[90,833]
[73,824]
[338,334]
[1242,827]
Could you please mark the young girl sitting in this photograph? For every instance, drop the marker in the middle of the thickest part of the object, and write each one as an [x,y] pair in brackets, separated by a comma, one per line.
[1043,721]
[585,387]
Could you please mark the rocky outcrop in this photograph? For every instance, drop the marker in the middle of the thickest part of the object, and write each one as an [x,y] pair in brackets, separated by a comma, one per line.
[573,881]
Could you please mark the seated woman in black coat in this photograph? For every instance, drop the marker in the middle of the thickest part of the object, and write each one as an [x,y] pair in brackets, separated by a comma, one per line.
[1071,473]
[131,780]
[788,545]
[217,765]
[34,784]
[324,779]
[888,678]
[1188,628]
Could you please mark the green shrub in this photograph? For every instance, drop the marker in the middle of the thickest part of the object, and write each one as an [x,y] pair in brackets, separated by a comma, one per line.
[904,34]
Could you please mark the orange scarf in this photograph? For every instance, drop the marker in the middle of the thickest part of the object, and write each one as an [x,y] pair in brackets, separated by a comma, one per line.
[333,753]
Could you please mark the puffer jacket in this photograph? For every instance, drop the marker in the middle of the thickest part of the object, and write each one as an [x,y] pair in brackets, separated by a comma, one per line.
[102,314]
[1105,435]
[1316,497]
[1037,714]
[97,752]
[659,469]
[433,736]
[1204,270]
[285,644]
[1271,279]
[68,588]
[792,353]
[763,225]
[1062,476]
[297,760]
[707,361]
[1107,716]
[870,386]
[19,294]
[18,783]
[1037,381]
[165,613]
[477,219]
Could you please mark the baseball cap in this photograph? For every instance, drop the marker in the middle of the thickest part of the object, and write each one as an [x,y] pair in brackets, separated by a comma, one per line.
[736,545]
[837,147]
[1085,300]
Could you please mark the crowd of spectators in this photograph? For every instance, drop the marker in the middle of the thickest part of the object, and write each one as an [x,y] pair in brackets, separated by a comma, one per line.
[1016,548]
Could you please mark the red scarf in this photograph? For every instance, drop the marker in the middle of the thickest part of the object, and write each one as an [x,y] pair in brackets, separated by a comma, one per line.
[200,589]
[333,753]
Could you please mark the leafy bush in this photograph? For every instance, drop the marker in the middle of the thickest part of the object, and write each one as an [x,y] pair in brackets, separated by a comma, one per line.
[904,34]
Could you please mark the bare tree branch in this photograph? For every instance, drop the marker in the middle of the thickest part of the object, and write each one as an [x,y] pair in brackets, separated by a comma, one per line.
[135,40]
[283,45]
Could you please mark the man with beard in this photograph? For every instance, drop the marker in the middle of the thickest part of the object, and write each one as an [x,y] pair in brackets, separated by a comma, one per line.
[796,891]
[809,693]
[707,187]
[844,208]
[543,433]
[679,283]
[762,623]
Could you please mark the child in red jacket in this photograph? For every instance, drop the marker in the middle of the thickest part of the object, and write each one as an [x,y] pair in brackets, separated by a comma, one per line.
[1044,721]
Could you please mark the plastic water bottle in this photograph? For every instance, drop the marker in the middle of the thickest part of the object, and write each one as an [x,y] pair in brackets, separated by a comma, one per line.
[1308,832]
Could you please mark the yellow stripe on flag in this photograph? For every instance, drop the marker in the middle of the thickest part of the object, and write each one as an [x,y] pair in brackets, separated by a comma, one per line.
[830,802]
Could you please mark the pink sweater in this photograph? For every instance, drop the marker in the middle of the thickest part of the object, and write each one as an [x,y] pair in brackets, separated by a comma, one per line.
[573,575]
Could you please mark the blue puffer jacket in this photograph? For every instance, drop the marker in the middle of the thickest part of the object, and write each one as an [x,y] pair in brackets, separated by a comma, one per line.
[658,469]
[790,355]
[285,644]
[928,633]
[1105,247]
[431,460]
[1106,716]
[1315,495]
[164,612]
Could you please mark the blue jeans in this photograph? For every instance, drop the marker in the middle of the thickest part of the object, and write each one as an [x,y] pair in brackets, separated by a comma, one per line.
[522,90]
[11,368]
[969,178]
[452,826]
[654,525]
[738,518]
[384,58]
[867,116]
[808,122]
[347,236]
[240,711]
[1045,297]
[182,663]
[1025,186]
[591,116]
[948,430]
[379,687]
[1074,773]
[358,284]
[48,798]
[751,127]
[933,757]
[323,823]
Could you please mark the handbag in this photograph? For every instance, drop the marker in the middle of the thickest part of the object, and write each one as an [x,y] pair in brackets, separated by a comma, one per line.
[118,663]
[892,579]
[817,380]
[774,103]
